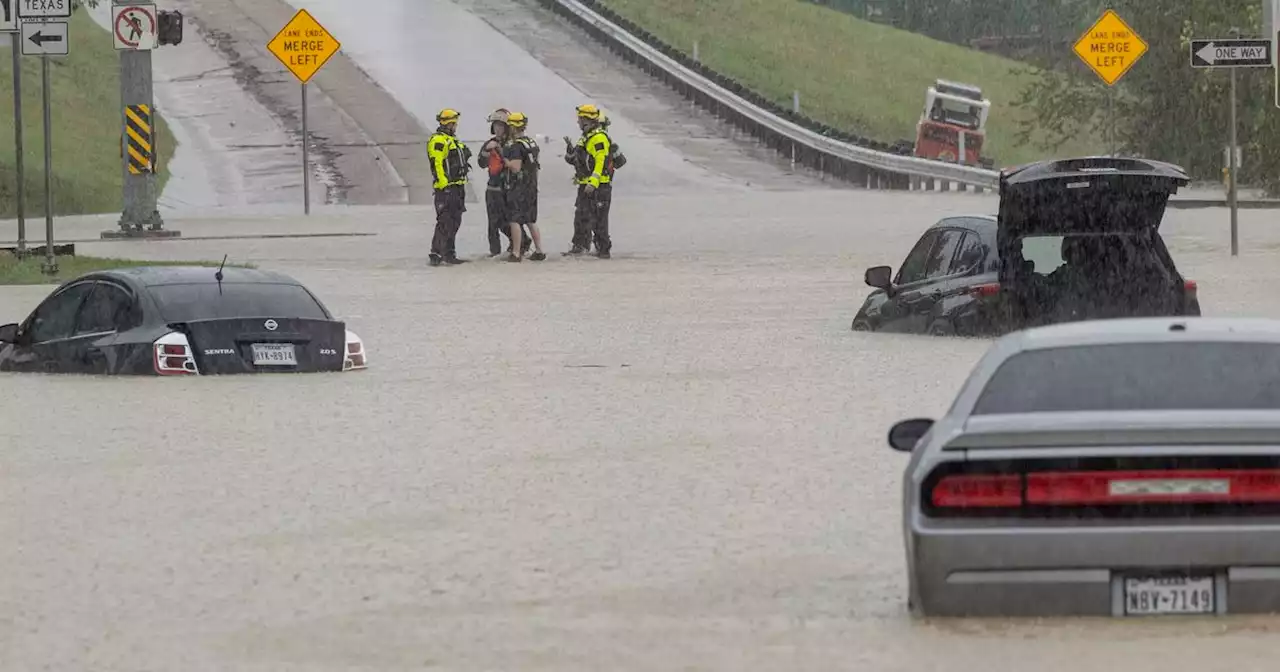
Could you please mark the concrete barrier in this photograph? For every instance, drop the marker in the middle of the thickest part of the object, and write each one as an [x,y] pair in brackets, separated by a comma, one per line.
[862,161]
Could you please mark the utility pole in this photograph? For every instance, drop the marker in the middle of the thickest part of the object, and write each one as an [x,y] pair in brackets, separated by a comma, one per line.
[138,29]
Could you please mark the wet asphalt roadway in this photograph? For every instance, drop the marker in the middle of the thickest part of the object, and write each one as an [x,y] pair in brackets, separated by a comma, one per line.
[671,460]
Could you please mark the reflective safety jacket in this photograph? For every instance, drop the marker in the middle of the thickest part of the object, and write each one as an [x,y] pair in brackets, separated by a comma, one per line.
[449,159]
[592,158]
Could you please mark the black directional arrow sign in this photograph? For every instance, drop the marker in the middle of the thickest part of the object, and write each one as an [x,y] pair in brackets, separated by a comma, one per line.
[44,38]
[40,39]
[1231,53]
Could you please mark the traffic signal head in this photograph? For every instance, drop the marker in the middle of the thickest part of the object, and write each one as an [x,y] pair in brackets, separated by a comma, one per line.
[169,30]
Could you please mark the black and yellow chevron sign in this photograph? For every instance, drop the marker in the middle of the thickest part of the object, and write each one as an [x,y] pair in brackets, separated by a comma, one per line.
[139,140]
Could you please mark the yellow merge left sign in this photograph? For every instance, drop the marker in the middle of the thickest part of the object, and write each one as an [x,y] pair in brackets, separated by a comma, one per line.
[304,46]
[1110,47]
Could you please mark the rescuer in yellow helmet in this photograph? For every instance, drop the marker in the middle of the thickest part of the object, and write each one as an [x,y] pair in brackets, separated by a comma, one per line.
[450,164]
[521,154]
[592,160]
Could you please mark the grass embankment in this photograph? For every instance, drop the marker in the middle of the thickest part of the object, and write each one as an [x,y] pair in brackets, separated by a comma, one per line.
[852,74]
[29,271]
[86,117]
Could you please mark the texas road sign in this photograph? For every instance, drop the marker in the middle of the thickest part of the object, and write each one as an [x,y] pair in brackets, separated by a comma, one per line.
[32,9]
[44,38]
[1231,53]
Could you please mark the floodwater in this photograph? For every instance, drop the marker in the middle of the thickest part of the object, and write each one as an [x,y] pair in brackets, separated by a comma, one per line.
[671,460]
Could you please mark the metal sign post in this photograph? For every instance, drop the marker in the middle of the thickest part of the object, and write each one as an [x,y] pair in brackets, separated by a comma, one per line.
[10,26]
[304,46]
[1232,54]
[50,262]
[1231,186]
[306,156]
[43,32]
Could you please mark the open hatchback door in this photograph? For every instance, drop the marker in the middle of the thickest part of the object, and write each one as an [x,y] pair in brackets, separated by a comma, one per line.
[1079,239]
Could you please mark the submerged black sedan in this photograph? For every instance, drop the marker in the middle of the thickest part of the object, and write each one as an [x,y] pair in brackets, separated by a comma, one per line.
[180,320]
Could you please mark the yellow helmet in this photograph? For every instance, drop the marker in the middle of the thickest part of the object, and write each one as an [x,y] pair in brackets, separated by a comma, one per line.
[588,111]
[448,116]
[517,120]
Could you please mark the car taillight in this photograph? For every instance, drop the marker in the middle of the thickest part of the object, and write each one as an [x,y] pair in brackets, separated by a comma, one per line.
[989,289]
[978,491]
[173,355]
[1101,490]
[1199,486]
[355,358]
[1190,286]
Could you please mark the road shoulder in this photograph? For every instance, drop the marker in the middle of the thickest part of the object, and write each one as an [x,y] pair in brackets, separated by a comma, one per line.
[374,148]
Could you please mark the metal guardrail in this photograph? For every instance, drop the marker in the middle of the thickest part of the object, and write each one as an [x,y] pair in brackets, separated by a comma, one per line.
[859,164]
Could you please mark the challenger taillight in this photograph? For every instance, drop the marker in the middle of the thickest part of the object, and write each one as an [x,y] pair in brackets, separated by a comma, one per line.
[978,491]
[1049,490]
[355,357]
[1176,486]
[173,355]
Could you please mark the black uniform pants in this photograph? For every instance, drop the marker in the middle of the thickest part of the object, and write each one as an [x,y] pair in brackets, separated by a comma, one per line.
[592,218]
[499,225]
[496,205]
[451,202]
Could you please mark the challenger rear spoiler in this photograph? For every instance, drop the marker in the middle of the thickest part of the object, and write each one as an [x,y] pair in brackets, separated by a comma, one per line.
[1117,428]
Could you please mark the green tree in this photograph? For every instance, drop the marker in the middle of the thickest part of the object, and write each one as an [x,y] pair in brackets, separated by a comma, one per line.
[1162,108]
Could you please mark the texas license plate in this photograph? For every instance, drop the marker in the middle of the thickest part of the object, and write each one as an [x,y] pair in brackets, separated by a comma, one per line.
[274,354]
[1157,595]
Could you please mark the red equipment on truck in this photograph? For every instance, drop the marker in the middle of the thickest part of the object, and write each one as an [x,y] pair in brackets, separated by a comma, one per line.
[954,124]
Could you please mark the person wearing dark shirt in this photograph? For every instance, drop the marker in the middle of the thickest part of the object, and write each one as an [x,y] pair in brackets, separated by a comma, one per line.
[495,198]
[521,156]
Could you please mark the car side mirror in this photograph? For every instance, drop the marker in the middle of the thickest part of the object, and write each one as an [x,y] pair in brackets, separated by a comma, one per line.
[906,434]
[880,277]
[9,333]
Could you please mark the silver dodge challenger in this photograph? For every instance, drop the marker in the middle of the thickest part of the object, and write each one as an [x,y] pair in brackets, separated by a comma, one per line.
[1113,468]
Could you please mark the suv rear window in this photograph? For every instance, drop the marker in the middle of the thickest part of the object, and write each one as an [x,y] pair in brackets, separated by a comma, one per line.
[1114,252]
[185,302]
[1135,377]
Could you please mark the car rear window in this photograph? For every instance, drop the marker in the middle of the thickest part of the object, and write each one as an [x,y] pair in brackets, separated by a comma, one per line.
[1116,251]
[185,302]
[1137,376]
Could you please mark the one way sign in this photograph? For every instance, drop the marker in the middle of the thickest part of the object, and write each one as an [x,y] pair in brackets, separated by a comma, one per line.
[1231,53]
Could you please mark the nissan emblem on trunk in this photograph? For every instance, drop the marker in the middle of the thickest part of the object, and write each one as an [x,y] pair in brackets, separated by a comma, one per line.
[270,325]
